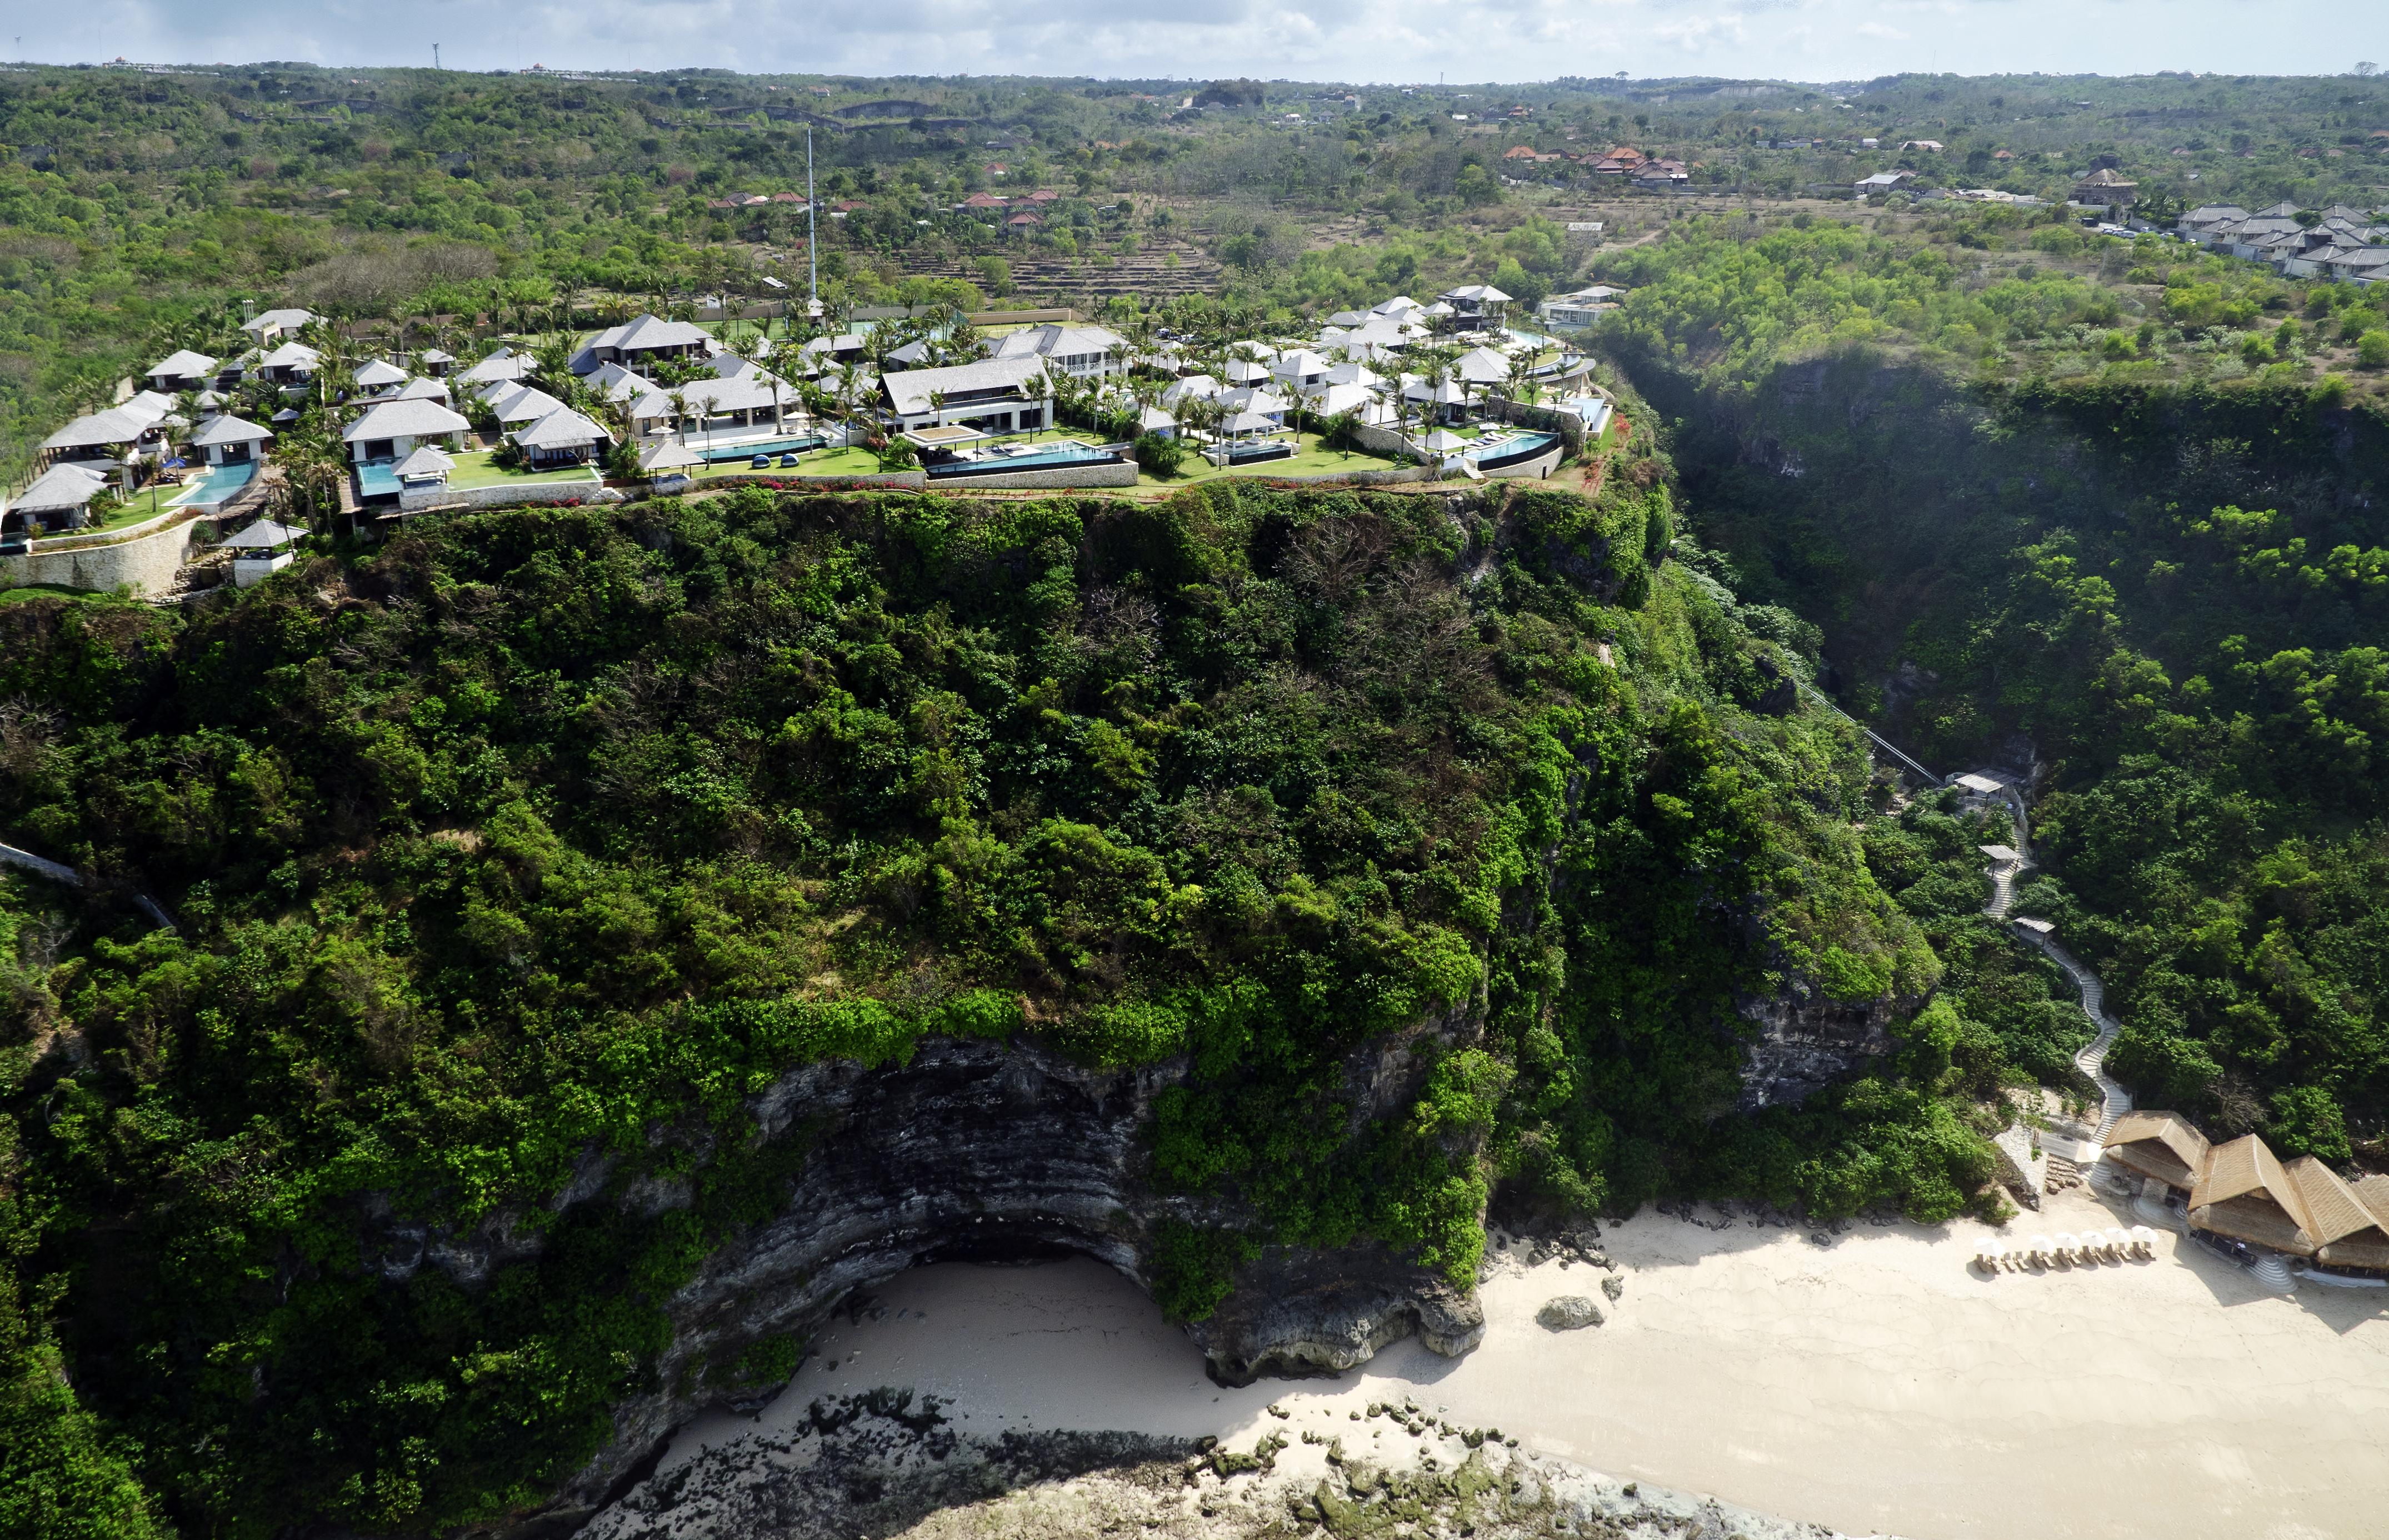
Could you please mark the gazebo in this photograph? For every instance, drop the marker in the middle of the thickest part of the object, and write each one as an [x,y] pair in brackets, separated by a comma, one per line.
[260,551]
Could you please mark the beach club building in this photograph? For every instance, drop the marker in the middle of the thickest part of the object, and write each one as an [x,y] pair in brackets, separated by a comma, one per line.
[2239,1197]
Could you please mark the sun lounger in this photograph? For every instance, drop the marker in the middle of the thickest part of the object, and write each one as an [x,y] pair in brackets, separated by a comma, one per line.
[2144,1240]
[2038,1248]
[2119,1241]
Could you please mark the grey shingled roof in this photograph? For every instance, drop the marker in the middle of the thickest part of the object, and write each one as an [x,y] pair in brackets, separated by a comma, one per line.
[562,428]
[185,363]
[68,486]
[418,419]
[230,430]
[909,389]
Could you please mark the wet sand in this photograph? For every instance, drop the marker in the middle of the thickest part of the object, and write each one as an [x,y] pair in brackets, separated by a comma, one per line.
[1875,1383]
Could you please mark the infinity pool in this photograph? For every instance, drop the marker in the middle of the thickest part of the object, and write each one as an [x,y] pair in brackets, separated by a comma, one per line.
[1043,457]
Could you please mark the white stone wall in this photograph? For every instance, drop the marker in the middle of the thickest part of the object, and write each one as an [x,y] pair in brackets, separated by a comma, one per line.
[143,564]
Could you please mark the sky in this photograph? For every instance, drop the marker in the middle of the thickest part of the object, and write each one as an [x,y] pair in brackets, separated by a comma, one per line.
[1358,40]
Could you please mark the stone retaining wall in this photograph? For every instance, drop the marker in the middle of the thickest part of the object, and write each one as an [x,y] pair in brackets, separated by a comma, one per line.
[141,565]
[508,497]
[905,480]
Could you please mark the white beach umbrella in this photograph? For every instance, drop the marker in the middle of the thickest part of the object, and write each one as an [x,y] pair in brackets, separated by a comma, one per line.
[2040,1248]
[2145,1239]
[2119,1240]
[2068,1243]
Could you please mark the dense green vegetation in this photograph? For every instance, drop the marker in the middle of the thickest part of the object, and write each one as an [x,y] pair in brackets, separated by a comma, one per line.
[540,833]
[2167,588]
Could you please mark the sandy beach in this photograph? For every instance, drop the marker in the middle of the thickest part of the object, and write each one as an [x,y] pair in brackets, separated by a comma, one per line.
[1875,1383]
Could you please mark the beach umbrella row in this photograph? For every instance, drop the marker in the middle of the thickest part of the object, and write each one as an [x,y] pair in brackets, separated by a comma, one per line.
[2114,1243]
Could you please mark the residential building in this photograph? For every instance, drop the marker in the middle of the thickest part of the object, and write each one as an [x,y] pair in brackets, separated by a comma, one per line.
[1661,175]
[1581,307]
[562,438]
[379,376]
[293,363]
[639,345]
[2105,186]
[502,364]
[391,430]
[181,371]
[268,326]
[1475,307]
[1083,352]
[58,499]
[129,435]
[1882,182]
[1005,395]
[228,440]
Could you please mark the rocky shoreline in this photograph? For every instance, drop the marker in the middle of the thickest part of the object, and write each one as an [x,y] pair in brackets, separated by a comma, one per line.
[886,1464]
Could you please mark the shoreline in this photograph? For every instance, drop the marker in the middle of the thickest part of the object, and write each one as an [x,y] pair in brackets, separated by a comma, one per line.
[1869,1379]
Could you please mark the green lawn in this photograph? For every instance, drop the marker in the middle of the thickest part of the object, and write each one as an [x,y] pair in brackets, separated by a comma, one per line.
[1312,458]
[474,469]
[27,591]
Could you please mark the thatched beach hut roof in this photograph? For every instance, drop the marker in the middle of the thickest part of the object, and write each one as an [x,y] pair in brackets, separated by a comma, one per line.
[2244,1192]
[2348,1231]
[2161,1145]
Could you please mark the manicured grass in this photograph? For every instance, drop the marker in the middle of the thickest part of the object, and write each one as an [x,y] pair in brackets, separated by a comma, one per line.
[475,470]
[46,591]
[1313,458]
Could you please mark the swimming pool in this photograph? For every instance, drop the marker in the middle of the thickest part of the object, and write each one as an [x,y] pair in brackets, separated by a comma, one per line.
[215,486]
[1041,457]
[376,479]
[725,453]
[1510,451]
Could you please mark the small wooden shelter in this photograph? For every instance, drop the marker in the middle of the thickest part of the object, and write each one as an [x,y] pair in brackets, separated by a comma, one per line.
[2244,1193]
[2161,1145]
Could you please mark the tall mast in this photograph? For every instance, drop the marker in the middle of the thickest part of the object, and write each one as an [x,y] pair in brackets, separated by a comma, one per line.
[812,242]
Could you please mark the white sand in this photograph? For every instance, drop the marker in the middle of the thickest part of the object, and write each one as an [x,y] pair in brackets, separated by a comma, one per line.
[1877,1383]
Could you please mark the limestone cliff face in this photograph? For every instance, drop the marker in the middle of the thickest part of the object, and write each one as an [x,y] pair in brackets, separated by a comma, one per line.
[1805,1042]
[975,1150]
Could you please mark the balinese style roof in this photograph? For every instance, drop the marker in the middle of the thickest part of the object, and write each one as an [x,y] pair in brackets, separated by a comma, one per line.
[427,462]
[1193,388]
[374,373]
[2161,1145]
[1443,440]
[1397,305]
[909,389]
[61,487]
[1298,363]
[424,390]
[2346,1232]
[230,430]
[1337,399]
[749,392]
[648,333]
[562,428]
[1153,420]
[522,403]
[669,455]
[504,364]
[1481,293]
[433,355]
[418,419]
[291,355]
[1055,340]
[1254,399]
[1249,421]
[287,320]
[185,363]
[118,424]
[1482,366]
[2242,1193]
[265,535]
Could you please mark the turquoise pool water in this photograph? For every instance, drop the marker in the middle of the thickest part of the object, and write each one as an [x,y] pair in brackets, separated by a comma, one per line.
[215,486]
[1518,446]
[727,453]
[1043,457]
[378,478]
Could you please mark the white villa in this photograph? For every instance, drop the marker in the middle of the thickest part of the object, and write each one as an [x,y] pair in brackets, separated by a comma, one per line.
[391,430]
[1003,395]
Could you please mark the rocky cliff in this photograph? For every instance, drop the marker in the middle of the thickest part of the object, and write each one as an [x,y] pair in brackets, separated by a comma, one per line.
[985,1150]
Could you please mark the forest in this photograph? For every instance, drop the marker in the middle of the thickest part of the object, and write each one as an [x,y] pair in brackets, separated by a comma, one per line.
[2158,587]
[526,834]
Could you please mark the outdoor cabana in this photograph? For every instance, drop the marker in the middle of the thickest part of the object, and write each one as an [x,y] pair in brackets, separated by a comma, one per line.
[2243,1194]
[379,376]
[426,467]
[2159,1146]
[260,551]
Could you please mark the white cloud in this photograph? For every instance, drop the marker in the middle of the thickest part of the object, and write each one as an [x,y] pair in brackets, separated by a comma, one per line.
[1352,40]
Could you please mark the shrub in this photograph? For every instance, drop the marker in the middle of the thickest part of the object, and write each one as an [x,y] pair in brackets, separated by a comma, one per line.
[1158,456]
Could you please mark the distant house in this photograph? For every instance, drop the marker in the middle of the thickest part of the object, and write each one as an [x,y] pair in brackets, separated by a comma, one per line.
[181,371]
[267,325]
[640,345]
[1930,146]
[379,376]
[2105,186]
[502,364]
[980,202]
[391,430]
[1882,182]
[1023,223]
[1301,369]
[1083,352]
[291,364]
[128,434]
[432,362]
[1662,174]
[1476,307]
[1003,395]
[1581,307]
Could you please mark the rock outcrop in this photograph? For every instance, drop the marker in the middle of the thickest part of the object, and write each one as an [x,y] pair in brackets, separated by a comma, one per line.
[972,1150]
[1806,1043]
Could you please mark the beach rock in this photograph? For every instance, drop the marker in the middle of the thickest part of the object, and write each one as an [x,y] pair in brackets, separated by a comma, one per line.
[1568,1313]
[1613,1286]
